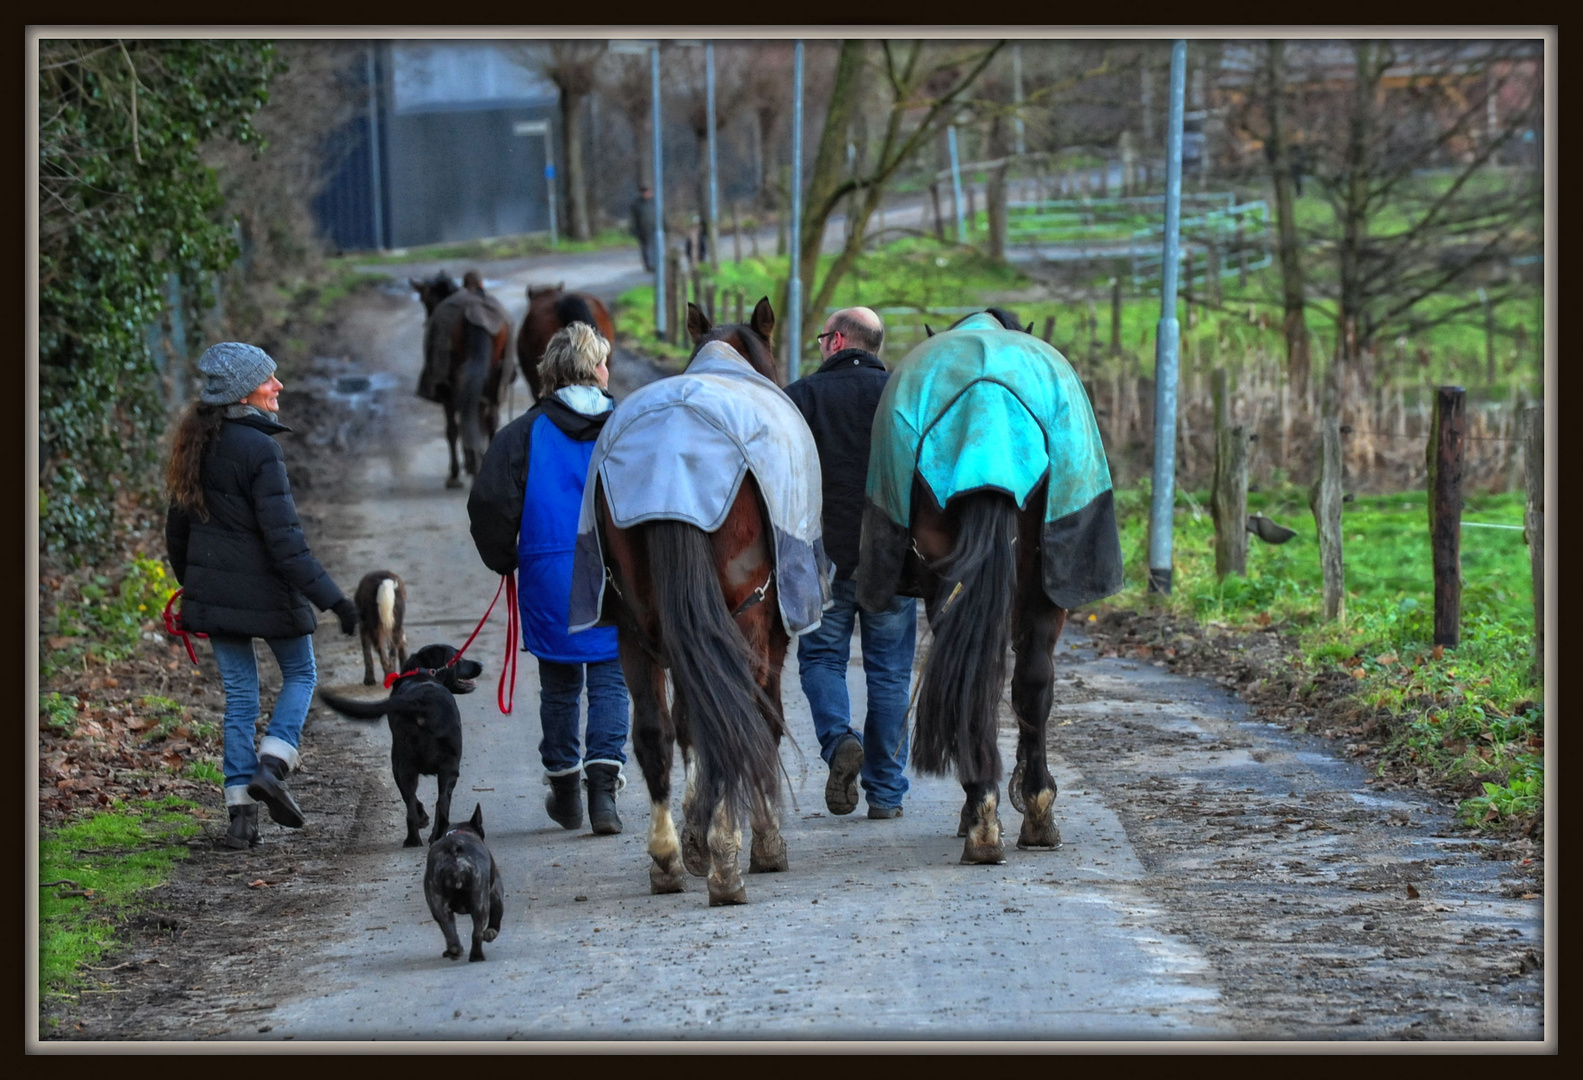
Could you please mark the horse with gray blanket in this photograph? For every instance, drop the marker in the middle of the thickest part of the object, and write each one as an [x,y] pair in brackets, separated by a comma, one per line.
[989,496]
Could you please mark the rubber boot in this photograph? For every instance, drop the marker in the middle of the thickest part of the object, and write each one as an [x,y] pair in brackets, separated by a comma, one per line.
[243,833]
[564,803]
[602,814]
[268,787]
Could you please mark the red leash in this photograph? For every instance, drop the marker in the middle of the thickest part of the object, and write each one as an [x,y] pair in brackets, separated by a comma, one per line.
[508,585]
[173,626]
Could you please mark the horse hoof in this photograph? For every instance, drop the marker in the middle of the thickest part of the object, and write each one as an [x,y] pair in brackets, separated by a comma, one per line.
[983,854]
[1047,837]
[662,881]
[452,954]
[695,852]
[768,858]
[739,895]
[452,482]
[1014,789]
[412,841]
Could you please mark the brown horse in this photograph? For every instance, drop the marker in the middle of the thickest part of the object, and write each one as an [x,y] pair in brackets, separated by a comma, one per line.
[552,308]
[465,367]
[706,606]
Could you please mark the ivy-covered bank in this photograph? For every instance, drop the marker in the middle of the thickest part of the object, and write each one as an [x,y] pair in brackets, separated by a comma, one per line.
[125,200]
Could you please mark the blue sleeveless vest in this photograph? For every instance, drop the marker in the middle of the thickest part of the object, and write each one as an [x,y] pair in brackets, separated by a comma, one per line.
[557,471]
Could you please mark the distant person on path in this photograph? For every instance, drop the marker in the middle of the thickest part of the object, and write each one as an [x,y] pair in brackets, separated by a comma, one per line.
[237,547]
[643,224]
[524,508]
[839,401]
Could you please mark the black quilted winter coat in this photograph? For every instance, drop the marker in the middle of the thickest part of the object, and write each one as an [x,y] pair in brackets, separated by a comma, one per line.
[247,571]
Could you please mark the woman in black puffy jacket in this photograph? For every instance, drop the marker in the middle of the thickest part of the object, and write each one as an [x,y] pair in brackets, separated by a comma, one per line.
[237,548]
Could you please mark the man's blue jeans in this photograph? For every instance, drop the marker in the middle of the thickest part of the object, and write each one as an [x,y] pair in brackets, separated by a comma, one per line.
[609,715]
[239,674]
[888,640]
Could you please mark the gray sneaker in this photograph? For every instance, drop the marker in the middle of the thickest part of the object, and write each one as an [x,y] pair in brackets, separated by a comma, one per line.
[840,791]
[883,813]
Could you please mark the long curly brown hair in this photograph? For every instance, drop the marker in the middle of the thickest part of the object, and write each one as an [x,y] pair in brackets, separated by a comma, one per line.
[183,475]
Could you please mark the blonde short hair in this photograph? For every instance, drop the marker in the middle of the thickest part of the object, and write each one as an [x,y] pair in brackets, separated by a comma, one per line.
[572,358]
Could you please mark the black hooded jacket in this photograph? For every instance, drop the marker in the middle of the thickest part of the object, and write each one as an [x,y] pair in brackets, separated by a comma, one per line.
[247,571]
[494,507]
[839,401]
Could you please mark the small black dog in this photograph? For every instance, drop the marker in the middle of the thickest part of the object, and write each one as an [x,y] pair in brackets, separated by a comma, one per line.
[425,730]
[462,879]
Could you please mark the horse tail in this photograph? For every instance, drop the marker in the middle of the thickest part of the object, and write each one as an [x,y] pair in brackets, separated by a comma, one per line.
[966,669]
[477,355]
[573,308]
[712,671]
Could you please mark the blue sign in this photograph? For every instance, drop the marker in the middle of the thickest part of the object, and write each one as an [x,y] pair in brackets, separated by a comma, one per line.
[549,172]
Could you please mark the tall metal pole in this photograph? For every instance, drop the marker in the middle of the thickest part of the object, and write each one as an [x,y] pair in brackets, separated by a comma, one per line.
[714,169]
[373,150]
[792,342]
[1166,343]
[549,178]
[1016,85]
[660,320]
[956,185]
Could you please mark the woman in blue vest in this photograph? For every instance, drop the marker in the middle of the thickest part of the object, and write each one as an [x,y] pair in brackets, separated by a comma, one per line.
[524,508]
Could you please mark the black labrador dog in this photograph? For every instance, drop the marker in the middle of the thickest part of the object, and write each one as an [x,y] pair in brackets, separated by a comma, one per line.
[425,729]
[462,878]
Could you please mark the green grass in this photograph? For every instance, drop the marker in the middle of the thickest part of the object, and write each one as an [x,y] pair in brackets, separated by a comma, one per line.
[114,857]
[1471,711]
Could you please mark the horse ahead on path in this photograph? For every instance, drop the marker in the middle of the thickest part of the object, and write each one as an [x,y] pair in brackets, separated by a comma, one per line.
[552,308]
[700,539]
[465,364]
[989,496]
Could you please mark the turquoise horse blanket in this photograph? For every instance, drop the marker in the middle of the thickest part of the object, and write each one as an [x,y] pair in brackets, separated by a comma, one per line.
[980,407]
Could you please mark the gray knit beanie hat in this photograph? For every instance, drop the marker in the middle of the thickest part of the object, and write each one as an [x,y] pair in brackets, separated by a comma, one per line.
[235,370]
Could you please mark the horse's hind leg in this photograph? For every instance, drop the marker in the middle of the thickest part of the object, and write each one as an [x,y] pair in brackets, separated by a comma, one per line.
[768,853]
[725,847]
[1038,625]
[654,747]
[452,430]
[981,814]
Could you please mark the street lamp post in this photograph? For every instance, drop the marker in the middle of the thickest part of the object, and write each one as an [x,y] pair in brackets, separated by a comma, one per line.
[1166,344]
[793,338]
[660,313]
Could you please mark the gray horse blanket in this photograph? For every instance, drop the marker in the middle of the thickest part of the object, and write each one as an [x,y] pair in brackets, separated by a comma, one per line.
[439,335]
[982,407]
[678,449]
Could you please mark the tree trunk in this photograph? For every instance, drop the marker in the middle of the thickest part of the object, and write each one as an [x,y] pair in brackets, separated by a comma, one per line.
[576,180]
[1293,293]
[1351,329]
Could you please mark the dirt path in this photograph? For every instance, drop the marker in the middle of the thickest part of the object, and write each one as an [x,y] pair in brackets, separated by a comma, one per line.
[1220,877]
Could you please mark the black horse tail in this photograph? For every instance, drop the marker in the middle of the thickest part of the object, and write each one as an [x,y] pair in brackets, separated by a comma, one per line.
[573,308]
[353,708]
[966,669]
[478,352]
[712,671]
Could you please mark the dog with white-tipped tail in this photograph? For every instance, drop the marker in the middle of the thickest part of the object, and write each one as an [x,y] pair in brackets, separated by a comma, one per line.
[381,603]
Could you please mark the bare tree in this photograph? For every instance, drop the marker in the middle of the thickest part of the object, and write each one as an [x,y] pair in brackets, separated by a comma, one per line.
[573,67]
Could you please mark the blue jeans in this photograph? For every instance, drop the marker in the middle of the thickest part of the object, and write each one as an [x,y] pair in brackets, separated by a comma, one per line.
[888,640]
[609,715]
[239,674]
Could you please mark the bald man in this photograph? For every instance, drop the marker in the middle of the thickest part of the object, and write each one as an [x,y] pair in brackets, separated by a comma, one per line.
[839,401]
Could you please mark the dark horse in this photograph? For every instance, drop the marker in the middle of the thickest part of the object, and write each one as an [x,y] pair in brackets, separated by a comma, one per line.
[551,308]
[1026,531]
[465,364]
[708,607]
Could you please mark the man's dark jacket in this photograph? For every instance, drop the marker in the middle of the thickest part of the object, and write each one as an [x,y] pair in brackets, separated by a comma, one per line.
[495,505]
[839,401]
[643,218]
[247,571]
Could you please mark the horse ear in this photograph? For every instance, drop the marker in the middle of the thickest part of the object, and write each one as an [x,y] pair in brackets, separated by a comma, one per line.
[698,323]
[1029,328]
[478,818]
[927,331]
[763,321]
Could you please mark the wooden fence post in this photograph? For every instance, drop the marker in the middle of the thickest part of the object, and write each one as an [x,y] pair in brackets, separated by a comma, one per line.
[736,231]
[1324,498]
[709,303]
[1444,453]
[1242,257]
[1212,273]
[1049,329]
[741,304]
[1534,524]
[1115,317]
[1228,504]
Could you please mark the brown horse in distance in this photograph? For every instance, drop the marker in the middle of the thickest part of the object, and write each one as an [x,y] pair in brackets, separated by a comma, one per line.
[706,606]
[466,340]
[552,308]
